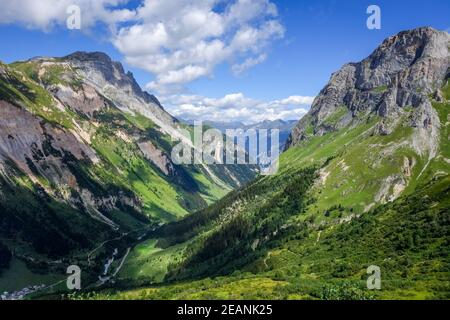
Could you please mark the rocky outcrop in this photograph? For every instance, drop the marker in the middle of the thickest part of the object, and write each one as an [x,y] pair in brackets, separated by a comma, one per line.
[84,99]
[157,157]
[38,147]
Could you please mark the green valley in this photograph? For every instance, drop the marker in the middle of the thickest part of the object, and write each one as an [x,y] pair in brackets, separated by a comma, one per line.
[363,182]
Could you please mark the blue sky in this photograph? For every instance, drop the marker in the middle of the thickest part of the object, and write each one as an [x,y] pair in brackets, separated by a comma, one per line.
[306,42]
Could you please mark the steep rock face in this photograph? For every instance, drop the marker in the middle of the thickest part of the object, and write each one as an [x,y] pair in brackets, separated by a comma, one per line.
[109,79]
[401,73]
[29,142]
[84,99]
[161,160]
[48,151]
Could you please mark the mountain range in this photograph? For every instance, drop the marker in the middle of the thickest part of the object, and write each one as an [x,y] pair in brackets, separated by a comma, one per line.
[363,182]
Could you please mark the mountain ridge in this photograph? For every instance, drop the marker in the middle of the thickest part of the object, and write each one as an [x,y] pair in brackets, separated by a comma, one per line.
[85,157]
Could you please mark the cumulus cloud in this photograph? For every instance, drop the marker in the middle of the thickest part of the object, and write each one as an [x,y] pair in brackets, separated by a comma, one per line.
[297,100]
[248,63]
[182,45]
[236,107]
[46,14]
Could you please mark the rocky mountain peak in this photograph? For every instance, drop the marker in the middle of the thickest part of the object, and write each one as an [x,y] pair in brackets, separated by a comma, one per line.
[109,78]
[402,72]
[400,52]
[103,70]
[96,56]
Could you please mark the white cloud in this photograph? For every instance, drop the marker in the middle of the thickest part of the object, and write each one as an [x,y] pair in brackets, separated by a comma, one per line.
[46,14]
[248,63]
[183,44]
[236,107]
[297,100]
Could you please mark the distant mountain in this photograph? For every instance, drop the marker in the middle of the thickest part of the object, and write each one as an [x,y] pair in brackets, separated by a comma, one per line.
[222,126]
[284,127]
[85,157]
